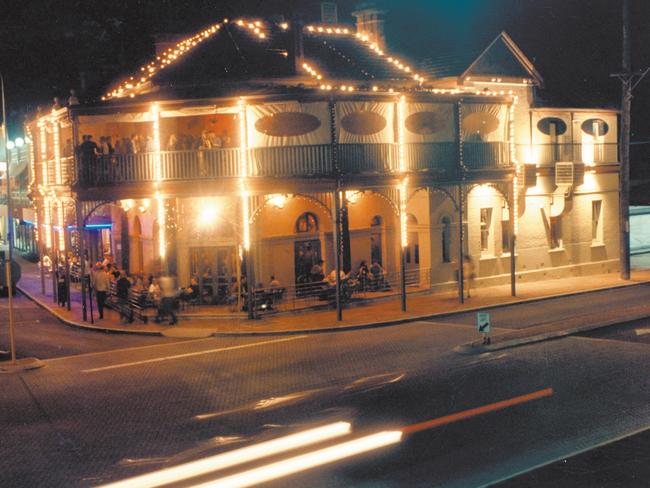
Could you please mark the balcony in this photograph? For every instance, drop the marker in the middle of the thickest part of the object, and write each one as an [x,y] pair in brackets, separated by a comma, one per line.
[315,161]
[486,155]
[588,153]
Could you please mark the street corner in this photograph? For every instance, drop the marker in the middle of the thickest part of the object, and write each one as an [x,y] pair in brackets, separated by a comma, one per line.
[472,348]
[20,365]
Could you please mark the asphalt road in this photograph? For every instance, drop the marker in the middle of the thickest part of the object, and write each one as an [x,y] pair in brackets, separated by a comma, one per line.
[554,310]
[138,404]
[40,335]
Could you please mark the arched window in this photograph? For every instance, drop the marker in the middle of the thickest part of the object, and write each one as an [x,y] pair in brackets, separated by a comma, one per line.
[411,220]
[307,223]
[446,239]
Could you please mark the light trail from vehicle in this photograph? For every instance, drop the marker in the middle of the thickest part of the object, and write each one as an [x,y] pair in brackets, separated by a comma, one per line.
[307,461]
[233,458]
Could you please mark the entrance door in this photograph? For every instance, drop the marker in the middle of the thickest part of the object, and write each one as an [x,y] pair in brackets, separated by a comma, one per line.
[215,266]
[306,254]
[412,254]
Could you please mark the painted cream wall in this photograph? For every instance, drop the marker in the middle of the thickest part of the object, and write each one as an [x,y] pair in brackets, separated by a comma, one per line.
[493,261]
[439,206]
[275,234]
[360,215]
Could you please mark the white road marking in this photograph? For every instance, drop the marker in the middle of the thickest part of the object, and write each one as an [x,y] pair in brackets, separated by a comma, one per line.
[189,354]
[642,331]
[125,349]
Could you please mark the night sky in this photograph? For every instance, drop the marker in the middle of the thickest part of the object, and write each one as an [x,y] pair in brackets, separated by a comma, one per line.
[48,46]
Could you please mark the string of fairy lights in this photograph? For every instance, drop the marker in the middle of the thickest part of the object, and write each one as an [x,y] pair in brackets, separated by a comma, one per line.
[260,31]
[171,55]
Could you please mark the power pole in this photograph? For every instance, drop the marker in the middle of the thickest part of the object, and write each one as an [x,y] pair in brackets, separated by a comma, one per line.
[629,81]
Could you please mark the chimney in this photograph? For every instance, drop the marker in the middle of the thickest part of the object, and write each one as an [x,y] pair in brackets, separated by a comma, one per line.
[370,20]
[296,49]
[329,13]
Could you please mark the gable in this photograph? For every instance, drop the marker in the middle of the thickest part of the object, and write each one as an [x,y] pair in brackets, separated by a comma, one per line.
[504,59]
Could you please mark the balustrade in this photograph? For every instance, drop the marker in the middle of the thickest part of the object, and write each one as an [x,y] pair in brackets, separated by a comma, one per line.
[586,152]
[283,161]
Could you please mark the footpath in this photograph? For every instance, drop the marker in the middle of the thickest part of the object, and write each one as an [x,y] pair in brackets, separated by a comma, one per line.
[372,314]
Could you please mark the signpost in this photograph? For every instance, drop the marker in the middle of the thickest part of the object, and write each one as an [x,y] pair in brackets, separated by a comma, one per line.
[484,325]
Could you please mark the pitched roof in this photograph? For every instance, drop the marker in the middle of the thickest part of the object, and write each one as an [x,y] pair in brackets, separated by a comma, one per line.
[502,57]
[218,59]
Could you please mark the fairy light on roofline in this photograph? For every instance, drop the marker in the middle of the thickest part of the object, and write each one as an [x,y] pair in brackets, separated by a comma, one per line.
[129,86]
[256,27]
[309,69]
[367,41]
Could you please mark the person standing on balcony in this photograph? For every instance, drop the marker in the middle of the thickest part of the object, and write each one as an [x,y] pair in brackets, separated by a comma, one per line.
[148,146]
[56,104]
[135,144]
[72,99]
[172,143]
[215,140]
[205,145]
[88,152]
[105,146]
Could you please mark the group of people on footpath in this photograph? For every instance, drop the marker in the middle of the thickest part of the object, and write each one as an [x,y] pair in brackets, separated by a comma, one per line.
[160,292]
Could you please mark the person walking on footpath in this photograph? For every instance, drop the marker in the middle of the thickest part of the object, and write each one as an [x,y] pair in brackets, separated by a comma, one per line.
[168,294]
[100,283]
[122,287]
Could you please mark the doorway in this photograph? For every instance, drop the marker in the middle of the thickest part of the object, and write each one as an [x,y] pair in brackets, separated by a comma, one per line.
[306,254]
[216,269]
[412,253]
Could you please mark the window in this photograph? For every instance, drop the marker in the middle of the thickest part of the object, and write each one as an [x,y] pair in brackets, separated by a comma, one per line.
[486,222]
[307,223]
[505,236]
[446,240]
[556,232]
[596,222]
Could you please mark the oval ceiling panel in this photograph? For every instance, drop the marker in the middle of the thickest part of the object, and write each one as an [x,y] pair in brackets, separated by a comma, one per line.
[481,123]
[424,123]
[544,126]
[286,124]
[363,123]
[595,127]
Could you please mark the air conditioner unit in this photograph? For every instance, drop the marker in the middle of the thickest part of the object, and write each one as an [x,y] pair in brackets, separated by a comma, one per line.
[564,174]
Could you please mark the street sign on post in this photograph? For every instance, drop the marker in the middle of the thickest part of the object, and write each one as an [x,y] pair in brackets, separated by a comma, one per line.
[483,322]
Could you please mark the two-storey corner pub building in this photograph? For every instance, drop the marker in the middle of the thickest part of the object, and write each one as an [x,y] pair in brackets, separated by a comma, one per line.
[257,148]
